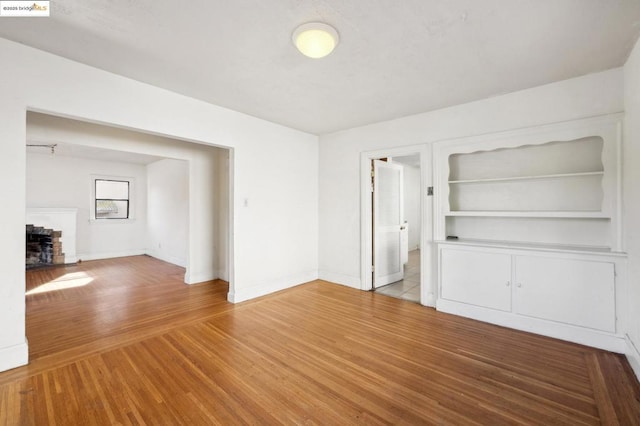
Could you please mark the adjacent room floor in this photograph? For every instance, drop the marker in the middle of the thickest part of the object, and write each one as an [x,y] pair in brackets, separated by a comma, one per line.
[409,287]
[124,341]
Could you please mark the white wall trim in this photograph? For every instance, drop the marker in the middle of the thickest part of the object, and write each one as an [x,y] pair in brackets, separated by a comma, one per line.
[342,279]
[570,333]
[167,258]
[14,356]
[633,355]
[110,255]
[429,254]
[230,267]
[201,278]
[252,291]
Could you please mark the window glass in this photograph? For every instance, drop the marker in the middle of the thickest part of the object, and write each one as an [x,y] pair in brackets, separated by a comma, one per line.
[112,199]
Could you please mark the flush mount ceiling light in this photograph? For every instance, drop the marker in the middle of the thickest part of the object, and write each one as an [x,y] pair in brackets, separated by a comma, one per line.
[315,39]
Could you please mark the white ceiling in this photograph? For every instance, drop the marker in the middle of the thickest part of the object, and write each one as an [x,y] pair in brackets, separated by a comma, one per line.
[395,58]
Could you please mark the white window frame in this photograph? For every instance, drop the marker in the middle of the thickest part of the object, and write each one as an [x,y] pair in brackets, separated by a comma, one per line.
[132,198]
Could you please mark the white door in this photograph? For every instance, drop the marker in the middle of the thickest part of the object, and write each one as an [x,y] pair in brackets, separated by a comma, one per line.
[387,223]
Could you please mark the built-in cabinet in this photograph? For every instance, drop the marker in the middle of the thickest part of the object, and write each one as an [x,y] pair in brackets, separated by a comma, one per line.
[529,230]
[477,278]
[550,287]
[570,291]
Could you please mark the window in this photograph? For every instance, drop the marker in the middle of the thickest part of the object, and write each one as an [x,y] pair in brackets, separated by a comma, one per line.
[111,199]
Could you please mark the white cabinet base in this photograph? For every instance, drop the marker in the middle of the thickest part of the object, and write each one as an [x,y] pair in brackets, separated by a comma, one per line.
[576,292]
[570,333]
[470,283]
[633,355]
[578,296]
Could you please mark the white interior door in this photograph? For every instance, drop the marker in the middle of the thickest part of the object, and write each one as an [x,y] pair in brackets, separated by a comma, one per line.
[387,223]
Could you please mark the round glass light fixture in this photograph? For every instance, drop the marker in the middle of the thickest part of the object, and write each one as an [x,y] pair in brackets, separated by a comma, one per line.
[315,39]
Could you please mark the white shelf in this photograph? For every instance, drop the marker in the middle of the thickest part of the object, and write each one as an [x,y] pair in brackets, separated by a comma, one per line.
[520,245]
[534,177]
[555,214]
[557,184]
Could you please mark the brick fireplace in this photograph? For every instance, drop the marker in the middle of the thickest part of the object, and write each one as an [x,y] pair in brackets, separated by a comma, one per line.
[43,247]
[55,219]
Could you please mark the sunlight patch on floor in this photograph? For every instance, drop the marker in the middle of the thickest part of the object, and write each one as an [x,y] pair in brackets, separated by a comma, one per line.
[70,280]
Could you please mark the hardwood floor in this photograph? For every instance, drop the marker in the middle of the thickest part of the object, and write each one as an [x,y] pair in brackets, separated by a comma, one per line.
[136,346]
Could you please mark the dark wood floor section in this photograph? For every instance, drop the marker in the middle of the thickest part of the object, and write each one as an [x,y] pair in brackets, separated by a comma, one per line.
[134,345]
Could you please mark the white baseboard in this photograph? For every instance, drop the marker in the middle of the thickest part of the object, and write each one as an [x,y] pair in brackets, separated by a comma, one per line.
[201,277]
[14,356]
[251,291]
[167,258]
[633,355]
[428,298]
[70,259]
[110,255]
[570,333]
[346,280]
[223,275]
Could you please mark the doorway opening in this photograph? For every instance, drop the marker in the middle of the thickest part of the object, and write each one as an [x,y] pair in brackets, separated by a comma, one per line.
[177,194]
[397,234]
[175,207]
[396,218]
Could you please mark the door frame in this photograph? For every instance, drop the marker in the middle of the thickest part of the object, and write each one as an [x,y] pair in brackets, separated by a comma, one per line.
[427,251]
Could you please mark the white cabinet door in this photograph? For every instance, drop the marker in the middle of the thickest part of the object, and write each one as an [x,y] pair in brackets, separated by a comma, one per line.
[481,279]
[568,291]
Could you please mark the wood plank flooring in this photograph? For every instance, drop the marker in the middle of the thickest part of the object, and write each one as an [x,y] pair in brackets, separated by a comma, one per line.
[136,346]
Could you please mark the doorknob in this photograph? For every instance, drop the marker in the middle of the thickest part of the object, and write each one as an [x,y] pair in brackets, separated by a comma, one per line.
[402,227]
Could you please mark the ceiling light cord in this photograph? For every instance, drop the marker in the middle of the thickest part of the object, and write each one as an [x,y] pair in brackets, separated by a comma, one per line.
[51,146]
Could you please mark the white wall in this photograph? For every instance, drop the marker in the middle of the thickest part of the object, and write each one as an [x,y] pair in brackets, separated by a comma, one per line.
[412,204]
[631,199]
[59,181]
[339,257]
[274,241]
[168,210]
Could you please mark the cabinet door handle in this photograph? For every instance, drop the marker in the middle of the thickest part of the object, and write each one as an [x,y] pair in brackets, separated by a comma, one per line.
[508,283]
[519,284]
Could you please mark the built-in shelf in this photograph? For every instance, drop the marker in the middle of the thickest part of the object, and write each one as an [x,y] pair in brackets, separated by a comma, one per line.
[533,246]
[516,178]
[558,184]
[556,214]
